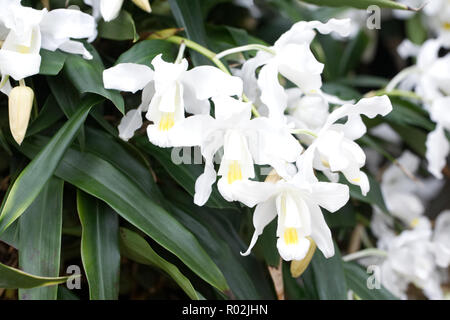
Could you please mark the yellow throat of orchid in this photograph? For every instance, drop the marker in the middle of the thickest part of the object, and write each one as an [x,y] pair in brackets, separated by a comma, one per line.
[234,171]
[167,121]
[446,25]
[290,236]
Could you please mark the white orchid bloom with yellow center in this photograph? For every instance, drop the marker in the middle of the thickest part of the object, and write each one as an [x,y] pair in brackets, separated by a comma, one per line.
[291,57]
[27,30]
[245,142]
[110,9]
[334,149]
[296,204]
[168,92]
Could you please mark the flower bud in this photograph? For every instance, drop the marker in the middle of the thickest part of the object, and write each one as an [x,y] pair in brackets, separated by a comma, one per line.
[298,267]
[143,4]
[20,103]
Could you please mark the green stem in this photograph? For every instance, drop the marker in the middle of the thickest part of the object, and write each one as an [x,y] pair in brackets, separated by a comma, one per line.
[249,47]
[394,93]
[304,131]
[364,253]
[211,56]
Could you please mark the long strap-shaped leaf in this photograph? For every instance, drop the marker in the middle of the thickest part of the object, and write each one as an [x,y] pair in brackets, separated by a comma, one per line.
[135,247]
[40,240]
[101,179]
[99,247]
[188,15]
[33,178]
[360,4]
[12,278]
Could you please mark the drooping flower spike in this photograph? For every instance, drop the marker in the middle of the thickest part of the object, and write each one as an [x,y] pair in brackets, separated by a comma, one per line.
[245,142]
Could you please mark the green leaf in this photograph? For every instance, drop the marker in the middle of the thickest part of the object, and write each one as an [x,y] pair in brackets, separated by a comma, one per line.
[356,279]
[353,53]
[40,240]
[329,277]
[51,62]
[101,179]
[33,178]
[87,76]
[12,278]
[48,116]
[245,275]
[415,30]
[185,175]
[360,4]
[134,247]
[121,28]
[188,15]
[143,52]
[99,247]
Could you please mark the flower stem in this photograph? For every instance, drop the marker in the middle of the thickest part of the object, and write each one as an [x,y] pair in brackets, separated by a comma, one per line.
[180,52]
[400,77]
[249,47]
[364,253]
[304,131]
[394,93]
[211,56]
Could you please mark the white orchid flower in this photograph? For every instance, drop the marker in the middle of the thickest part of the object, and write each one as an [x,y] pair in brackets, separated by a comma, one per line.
[28,30]
[168,92]
[441,239]
[437,143]
[297,204]
[410,258]
[245,142]
[291,57]
[110,9]
[309,111]
[430,76]
[334,149]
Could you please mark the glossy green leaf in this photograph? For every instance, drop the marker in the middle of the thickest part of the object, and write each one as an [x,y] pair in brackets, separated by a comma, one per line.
[329,277]
[143,52]
[360,4]
[40,240]
[12,278]
[87,76]
[51,62]
[99,247]
[101,179]
[245,275]
[33,178]
[121,28]
[134,247]
[48,116]
[357,278]
[188,15]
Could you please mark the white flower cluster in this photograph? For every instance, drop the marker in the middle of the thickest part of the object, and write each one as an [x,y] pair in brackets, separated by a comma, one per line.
[430,80]
[420,254]
[171,91]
